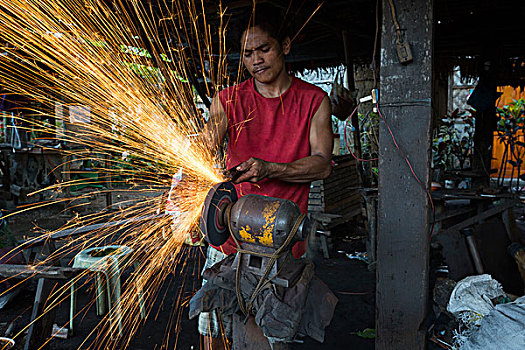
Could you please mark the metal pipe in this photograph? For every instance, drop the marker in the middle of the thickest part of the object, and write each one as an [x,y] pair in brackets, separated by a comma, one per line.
[471,243]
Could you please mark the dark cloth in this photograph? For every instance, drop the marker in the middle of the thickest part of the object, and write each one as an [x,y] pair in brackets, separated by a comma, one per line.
[305,307]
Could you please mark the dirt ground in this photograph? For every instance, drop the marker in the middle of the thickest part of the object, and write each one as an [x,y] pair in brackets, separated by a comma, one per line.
[168,326]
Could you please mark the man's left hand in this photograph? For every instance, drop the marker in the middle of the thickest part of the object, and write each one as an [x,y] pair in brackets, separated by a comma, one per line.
[253,170]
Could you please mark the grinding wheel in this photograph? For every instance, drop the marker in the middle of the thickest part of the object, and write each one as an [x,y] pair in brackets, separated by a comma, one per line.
[213,225]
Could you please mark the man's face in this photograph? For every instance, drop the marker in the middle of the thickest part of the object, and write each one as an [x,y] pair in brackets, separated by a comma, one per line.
[263,55]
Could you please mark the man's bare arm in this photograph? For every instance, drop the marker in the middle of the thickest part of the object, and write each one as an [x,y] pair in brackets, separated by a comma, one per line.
[314,167]
[216,127]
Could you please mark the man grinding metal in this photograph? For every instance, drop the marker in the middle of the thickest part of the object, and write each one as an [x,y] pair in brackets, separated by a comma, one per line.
[279,135]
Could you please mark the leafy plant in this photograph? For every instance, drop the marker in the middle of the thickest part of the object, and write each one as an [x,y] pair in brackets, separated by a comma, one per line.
[369,124]
[369,138]
[511,122]
[368,333]
[454,141]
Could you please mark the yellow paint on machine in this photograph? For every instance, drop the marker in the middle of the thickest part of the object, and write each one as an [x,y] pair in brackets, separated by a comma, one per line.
[264,237]
[269,212]
[246,235]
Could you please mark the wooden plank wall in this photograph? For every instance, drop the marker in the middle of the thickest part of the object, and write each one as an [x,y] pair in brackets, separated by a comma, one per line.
[338,194]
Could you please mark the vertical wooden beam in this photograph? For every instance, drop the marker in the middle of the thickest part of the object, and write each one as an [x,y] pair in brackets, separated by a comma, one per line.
[109,185]
[66,179]
[440,95]
[350,80]
[403,216]
[41,325]
[483,139]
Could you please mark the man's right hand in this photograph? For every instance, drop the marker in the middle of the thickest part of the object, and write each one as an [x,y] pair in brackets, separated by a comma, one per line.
[254,170]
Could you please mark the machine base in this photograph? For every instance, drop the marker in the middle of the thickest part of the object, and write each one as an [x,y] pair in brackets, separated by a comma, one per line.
[258,264]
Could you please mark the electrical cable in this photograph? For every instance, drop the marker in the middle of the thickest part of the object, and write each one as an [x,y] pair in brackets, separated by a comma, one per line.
[411,103]
[429,195]
[374,53]
[346,139]
[396,23]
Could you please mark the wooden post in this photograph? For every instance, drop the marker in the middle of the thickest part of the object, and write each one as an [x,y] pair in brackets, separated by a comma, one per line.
[403,214]
[355,118]
[66,179]
[370,198]
[5,168]
[483,139]
[41,321]
[109,185]
[349,63]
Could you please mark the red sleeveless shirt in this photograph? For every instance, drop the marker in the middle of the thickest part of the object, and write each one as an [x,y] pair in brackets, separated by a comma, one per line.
[272,129]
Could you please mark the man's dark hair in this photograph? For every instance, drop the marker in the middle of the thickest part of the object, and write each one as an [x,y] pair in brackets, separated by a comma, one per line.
[270,19]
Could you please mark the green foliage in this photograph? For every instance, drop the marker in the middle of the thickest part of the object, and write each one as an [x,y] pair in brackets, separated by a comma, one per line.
[511,118]
[368,333]
[369,124]
[452,146]
[511,121]
[369,138]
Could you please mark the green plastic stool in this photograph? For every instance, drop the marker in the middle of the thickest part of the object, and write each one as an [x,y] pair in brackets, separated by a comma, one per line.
[107,279]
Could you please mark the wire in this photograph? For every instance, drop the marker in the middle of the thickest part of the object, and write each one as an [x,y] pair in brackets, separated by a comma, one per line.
[374,53]
[411,170]
[394,17]
[346,140]
[409,103]
[429,195]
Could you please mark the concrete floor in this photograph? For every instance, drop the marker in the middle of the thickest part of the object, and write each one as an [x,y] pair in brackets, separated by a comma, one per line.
[168,327]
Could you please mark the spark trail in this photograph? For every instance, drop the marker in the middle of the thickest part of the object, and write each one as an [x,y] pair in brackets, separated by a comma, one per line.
[111,59]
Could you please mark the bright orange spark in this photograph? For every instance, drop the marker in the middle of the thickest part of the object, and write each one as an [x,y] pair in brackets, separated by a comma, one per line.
[67,53]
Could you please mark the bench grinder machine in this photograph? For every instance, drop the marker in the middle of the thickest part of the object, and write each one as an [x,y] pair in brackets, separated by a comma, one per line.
[265,228]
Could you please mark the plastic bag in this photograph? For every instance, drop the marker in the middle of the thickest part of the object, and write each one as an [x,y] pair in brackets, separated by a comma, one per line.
[502,329]
[472,297]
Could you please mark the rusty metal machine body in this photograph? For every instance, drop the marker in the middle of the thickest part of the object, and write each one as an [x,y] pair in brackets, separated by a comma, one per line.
[261,225]
[265,230]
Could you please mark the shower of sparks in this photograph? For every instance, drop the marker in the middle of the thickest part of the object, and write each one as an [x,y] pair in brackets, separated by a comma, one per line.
[66,53]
